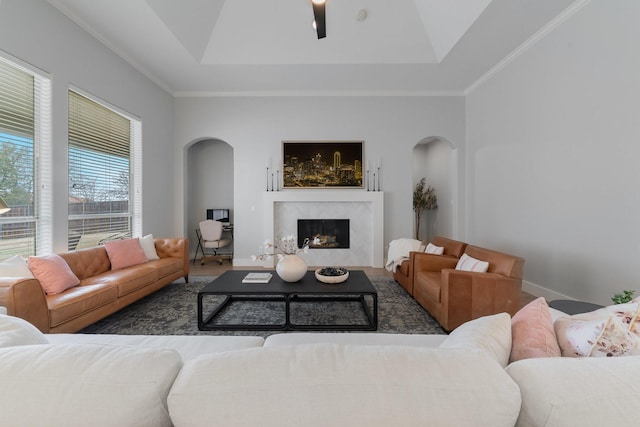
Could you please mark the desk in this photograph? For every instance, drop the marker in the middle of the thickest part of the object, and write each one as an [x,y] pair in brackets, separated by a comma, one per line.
[228,228]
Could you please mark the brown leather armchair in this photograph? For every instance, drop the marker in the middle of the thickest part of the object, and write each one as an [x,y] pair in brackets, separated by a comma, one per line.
[454,297]
[404,273]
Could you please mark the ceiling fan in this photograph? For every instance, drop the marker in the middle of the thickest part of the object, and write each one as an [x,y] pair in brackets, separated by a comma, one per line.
[318,13]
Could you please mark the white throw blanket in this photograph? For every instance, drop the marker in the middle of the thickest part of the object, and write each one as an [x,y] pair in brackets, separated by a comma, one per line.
[399,251]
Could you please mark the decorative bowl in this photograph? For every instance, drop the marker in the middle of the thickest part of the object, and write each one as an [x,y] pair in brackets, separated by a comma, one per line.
[332,275]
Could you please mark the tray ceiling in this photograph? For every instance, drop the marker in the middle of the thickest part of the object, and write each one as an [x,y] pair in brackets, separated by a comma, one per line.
[200,47]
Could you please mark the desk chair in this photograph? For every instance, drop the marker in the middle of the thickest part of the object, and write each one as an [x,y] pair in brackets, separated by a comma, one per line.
[210,238]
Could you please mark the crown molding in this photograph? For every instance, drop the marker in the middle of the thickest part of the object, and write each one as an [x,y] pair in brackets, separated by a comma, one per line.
[311,93]
[530,42]
[127,58]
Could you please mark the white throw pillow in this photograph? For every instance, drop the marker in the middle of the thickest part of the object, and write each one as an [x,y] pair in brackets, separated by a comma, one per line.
[149,247]
[467,263]
[86,385]
[433,249]
[490,334]
[16,266]
[15,331]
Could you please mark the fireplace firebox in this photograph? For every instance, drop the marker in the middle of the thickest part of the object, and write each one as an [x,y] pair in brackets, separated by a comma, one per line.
[324,233]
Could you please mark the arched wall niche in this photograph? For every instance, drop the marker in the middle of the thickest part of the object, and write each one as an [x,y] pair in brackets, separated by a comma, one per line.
[436,159]
[208,180]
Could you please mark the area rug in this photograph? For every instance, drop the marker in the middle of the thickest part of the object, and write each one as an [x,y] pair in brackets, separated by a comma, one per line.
[173,311]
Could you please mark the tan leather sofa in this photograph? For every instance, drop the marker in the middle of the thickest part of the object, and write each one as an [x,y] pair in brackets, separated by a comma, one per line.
[101,291]
[454,297]
[404,273]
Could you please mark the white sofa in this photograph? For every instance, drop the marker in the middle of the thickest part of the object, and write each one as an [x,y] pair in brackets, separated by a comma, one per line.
[305,379]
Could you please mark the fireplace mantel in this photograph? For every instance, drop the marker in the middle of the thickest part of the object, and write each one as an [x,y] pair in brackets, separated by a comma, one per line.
[375,198]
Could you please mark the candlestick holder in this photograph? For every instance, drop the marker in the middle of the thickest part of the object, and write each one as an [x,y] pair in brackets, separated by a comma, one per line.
[267,178]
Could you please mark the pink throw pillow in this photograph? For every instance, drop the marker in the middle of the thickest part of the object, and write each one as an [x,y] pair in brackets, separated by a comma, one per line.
[532,332]
[53,273]
[125,253]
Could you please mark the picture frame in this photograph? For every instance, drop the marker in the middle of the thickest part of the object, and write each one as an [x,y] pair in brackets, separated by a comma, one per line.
[322,164]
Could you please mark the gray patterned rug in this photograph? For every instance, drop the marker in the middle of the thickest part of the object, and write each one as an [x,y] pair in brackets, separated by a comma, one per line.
[173,311]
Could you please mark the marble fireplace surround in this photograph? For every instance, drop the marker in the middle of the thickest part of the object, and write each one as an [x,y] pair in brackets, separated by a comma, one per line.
[364,209]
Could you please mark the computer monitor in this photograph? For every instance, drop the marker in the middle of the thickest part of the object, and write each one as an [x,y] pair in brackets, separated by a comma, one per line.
[221,215]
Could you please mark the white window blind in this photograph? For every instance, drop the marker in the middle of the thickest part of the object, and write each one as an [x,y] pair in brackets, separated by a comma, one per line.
[100,173]
[24,160]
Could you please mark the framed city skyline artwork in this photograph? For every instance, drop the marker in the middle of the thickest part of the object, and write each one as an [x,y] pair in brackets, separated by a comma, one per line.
[322,164]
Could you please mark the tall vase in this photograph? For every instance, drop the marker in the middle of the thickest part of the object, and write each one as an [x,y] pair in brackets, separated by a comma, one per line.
[291,268]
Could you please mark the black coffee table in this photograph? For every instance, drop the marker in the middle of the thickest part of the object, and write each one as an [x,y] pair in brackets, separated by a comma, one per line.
[357,288]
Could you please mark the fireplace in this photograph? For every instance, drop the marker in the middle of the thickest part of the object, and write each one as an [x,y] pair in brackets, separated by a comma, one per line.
[324,233]
[366,229]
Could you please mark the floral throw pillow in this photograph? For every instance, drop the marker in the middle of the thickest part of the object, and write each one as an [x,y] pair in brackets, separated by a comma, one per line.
[607,332]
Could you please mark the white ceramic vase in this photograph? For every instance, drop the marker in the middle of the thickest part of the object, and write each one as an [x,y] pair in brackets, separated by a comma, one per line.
[291,268]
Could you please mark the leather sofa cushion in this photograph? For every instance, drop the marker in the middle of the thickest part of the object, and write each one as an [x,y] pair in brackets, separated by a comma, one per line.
[500,263]
[403,269]
[429,284]
[166,266]
[126,280]
[79,300]
[88,262]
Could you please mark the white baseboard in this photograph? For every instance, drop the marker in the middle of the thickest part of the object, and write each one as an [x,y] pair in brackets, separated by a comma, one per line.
[539,291]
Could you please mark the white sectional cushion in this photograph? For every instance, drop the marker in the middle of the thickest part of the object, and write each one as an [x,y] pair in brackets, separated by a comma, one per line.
[86,385]
[15,331]
[189,346]
[342,385]
[354,338]
[490,334]
[578,391]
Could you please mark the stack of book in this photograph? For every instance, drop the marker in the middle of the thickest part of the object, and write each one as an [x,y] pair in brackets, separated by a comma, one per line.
[257,278]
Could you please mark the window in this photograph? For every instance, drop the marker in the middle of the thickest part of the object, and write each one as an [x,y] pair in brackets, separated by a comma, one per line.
[24,160]
[103,156]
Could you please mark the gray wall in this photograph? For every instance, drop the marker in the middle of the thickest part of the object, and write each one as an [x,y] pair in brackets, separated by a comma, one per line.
[38,34]
[255,127]
[436,161]
[552,155]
